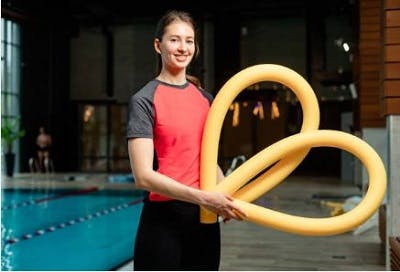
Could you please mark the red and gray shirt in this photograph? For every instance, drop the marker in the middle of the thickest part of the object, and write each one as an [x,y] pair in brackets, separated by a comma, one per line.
[173,116]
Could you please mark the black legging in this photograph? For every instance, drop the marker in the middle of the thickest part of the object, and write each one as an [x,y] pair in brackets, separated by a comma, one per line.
[171,237]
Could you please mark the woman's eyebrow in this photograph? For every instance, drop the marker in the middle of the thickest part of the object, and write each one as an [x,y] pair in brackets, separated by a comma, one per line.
[179,36]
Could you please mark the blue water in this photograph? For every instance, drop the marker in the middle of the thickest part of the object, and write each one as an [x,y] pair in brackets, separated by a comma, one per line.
[68,229]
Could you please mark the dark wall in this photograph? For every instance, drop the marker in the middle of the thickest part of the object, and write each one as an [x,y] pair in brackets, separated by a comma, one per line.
[227,47]
[47,31]
[45,91]
[35,90]
[63,115]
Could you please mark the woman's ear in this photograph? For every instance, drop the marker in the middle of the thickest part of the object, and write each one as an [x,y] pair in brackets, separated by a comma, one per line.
[157,46]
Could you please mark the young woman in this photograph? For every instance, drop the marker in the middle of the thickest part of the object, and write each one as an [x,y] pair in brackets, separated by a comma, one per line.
[166,120]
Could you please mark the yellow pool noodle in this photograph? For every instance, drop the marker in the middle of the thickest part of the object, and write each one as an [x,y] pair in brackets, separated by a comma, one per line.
[287,154]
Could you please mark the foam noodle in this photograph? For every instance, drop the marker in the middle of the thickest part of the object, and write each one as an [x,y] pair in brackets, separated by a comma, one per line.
[287,154]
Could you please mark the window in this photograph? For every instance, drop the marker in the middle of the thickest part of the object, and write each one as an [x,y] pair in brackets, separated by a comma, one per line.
[11,75]
[102,138]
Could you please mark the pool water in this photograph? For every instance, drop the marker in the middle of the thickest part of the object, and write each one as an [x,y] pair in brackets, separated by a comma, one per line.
[88,229]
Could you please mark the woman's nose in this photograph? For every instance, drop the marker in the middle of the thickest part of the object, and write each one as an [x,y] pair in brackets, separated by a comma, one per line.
[182,46]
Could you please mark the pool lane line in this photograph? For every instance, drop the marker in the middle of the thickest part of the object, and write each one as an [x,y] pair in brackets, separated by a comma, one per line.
[48,198]
[73,193]
[72,222]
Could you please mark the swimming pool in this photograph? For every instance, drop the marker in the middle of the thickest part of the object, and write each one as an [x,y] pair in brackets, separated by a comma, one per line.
[80,229]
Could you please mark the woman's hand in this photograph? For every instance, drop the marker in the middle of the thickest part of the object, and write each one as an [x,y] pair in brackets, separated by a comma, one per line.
[223,205]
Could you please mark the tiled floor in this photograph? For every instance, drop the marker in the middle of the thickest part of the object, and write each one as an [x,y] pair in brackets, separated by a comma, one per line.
[250,247]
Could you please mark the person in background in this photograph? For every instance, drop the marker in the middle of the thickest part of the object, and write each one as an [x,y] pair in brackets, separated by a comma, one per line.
[43,142]
[165,124]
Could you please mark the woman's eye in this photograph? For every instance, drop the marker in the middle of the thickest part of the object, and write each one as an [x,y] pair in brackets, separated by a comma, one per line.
[190,42]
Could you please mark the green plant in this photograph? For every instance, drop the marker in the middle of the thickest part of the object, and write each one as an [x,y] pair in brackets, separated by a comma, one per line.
[11,131]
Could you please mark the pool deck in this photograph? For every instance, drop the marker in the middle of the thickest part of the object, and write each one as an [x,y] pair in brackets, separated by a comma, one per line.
[250,247]
[63,181]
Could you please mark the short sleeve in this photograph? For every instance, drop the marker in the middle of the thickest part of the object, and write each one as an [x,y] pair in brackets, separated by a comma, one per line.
[140,117]
[207,95]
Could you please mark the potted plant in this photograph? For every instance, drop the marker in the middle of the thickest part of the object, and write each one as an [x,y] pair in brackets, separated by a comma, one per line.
[10,132]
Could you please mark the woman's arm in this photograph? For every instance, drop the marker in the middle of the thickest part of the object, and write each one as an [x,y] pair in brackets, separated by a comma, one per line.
[220,174]
[141,152]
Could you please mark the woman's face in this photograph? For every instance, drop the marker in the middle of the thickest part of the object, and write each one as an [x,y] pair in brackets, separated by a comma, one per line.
[177,46]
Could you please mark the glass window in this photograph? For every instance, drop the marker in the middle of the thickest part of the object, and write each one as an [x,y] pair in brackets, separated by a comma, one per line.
[118,147]
[11,75]
[102,138]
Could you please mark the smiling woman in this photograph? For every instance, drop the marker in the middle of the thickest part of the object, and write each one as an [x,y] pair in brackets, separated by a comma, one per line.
[166,118]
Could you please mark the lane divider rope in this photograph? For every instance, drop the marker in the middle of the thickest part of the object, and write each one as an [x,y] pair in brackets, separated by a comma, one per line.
[72,222]
[48,198]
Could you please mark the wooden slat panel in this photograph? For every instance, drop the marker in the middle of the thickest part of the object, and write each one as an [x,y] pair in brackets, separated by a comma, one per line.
[392,53]
[392,70]
[392,4]
[370,20]
[370,12]
[371,108]
[391,88]
[392,105]
[369,27]
[392,35]
[370,76]
[370,64]
[369,4]
[371,35]
[373,122]
[368,59]
[368,52]
[369,84]
[376,41]
[371,115]
[372,43]
[371,92]
[392,18]
[369,118]
[370,67]
[369,45]
[369,100]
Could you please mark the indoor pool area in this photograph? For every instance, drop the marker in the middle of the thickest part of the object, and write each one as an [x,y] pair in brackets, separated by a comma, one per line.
[68,222]
[285,113]
[88,222]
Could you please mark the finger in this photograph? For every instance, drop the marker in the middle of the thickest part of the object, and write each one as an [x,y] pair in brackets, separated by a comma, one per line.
[235,207]
[229,197]
[234,215]
[238,210]
[239,216]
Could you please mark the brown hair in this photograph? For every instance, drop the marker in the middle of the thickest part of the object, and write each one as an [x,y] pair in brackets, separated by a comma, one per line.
[168,18]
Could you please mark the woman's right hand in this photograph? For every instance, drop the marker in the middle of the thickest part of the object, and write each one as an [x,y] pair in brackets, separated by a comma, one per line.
[223,205]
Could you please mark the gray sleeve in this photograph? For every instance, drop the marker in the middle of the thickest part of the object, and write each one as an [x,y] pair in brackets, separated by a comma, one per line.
[207,95]
[140,118]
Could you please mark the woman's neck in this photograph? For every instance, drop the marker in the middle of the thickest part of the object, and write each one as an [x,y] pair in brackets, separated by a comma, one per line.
[174,79]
